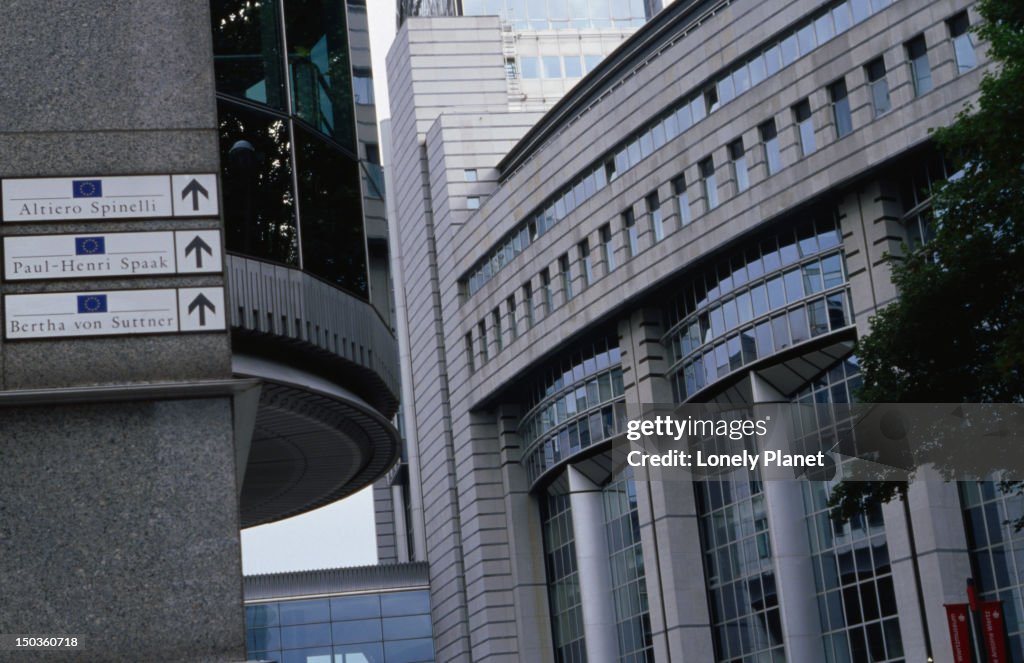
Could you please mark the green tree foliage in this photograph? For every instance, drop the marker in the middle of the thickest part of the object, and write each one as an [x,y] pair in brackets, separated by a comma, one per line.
[956,334]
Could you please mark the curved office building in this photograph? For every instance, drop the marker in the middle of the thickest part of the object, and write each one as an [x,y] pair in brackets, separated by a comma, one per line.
[703,218]
[307,249]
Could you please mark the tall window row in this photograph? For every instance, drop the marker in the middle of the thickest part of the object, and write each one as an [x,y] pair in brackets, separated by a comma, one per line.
[565,602]
[291,179]
[774,293]
[692,108]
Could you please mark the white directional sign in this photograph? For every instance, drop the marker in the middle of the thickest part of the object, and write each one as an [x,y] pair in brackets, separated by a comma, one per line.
[121,197]
[111,254]
[114,312]
[195,195]
[201,309]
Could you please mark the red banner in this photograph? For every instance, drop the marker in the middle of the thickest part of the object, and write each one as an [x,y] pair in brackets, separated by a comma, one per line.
[959,637]
[993,630]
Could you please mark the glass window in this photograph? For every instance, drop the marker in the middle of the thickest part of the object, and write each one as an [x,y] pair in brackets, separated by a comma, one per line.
[682,199]
[564,270]
[739,164]
[707,174]
[552,66]
[473,202]
[361,630]
[840,108]
[879,86]
[362,84]
[841,17]
[529,67]
[805,126]
[409,651]
[469,175]
[573,67]
[261,615]
[758,72]
[654,209]
[591,61]
[320,71]
[305,612]
[355,607]
[861,10]
[257,639]
[607,248]
[247,53]
[805,36]
[587,262]
[259,206]
[404,603]
[920,70]
[401,628]
[823,28]
[770,141]
[333,246]
[773,59]
[790,50]
[963,45]
[632,238]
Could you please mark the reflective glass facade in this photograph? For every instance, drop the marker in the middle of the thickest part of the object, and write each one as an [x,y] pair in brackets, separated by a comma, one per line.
[573,408]
[556,14]
[563,578]
[291,176]
[774,293]
[391,627]
[744,602]
[626,560]
[851,565]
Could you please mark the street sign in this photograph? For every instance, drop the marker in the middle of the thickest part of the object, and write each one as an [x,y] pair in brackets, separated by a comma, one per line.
[38,257]
[120,197]
[195,195]
[114,312]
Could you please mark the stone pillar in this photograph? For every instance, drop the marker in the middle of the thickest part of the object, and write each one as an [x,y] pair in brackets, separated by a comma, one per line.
[791,553]
[526,547]
[599,625]
[118,469]
[667,511]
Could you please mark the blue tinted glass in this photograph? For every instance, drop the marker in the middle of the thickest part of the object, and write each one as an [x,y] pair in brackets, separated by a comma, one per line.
[318,655]
[355,607]
[305,612]
[370,652]
[405,603]
[263,638]
[247,51]
[400,628]
[306,635]
[365,630]
[261,615]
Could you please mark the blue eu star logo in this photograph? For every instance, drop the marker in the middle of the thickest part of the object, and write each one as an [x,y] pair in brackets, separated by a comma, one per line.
[90,246]
[87,188]
[92,303]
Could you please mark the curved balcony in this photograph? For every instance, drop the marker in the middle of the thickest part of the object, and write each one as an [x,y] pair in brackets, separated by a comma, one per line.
[329,368]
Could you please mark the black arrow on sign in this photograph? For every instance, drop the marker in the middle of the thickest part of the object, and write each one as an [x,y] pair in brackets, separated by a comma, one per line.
[198,246]
[195,188]
[202,303]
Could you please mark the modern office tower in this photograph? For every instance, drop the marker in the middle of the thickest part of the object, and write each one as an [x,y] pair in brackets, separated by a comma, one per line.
[307,248]
[702,218]
[197,320]
[368,614]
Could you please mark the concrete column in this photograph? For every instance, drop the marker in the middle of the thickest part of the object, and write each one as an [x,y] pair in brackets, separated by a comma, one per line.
[599,625]
[526,547]
[667,511]
[791,552]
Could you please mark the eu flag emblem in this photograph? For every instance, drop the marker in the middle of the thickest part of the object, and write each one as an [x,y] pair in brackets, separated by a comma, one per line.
[90,246]
[92,303]
[87,188]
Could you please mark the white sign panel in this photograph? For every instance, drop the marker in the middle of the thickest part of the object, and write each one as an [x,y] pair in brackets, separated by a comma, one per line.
[201,309]
[113,313]
[119,312]
[198,251]
[111,254]
[123,197]
[71,198]
[195,195]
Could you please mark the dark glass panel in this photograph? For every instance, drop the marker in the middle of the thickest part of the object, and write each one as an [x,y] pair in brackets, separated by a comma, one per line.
[318,60]
[259,206]
[405,603]
[305,612]
[247,51]
[356,631]
[306,635]
[333,246]
[355,607]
